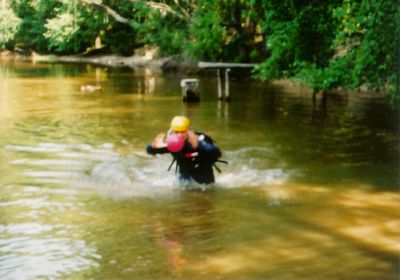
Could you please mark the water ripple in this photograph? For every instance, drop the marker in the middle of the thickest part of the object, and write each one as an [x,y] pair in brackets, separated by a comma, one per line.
[31,258]
[105,169]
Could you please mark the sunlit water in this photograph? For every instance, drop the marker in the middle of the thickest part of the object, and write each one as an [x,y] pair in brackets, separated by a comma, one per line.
[310,190]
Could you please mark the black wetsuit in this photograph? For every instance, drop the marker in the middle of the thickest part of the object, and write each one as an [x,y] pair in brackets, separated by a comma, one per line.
[196,164]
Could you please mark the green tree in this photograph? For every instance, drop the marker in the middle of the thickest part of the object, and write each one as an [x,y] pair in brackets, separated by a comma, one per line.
[112,23]
[225,31]
[60,33]
[163,25]
[368,38]
[34,15]
[333,43]
[64,26]
[299,37]
[73,28]
[207,33]
[9,24]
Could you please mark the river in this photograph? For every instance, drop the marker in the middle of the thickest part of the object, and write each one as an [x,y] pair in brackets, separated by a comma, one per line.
[311,190]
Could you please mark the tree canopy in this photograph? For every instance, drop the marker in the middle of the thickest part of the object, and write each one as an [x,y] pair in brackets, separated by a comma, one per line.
[326,44]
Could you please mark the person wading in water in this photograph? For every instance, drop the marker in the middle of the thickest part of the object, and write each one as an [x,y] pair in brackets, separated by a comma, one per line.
[194,153]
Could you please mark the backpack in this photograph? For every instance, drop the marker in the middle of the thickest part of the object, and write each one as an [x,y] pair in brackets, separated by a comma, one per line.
[208,139]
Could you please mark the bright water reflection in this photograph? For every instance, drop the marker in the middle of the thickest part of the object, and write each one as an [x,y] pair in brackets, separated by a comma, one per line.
[310,191]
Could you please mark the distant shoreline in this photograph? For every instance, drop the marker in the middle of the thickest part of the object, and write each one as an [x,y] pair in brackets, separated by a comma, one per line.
[173,64]
[177,63]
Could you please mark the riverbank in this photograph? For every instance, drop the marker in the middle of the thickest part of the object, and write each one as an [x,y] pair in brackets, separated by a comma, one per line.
[143,58]
[148,58]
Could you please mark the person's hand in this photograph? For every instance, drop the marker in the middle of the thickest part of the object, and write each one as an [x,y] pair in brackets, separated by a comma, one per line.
[193,139]
[159,141]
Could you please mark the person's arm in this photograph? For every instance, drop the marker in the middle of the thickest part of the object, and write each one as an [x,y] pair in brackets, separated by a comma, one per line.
[210,150]
[193,139]
[158,146]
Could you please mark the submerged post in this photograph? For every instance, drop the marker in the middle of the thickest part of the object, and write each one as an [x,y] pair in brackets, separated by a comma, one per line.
[220,97]
[227,98]
[190,90]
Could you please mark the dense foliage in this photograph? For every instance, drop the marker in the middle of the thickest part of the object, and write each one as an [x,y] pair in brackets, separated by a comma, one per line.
[9,24]
[326,44]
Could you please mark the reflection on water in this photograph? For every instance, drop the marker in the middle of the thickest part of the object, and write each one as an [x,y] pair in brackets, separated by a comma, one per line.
[28,257]
[35,245]
[310,191]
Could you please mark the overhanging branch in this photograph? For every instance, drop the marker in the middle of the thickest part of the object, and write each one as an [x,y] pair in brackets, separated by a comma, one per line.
[107,10]
[162,7]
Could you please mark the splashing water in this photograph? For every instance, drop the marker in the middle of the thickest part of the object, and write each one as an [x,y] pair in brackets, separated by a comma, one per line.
[111,173]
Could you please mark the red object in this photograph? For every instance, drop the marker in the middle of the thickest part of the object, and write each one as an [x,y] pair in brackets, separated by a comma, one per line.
[175,143]
[190,155]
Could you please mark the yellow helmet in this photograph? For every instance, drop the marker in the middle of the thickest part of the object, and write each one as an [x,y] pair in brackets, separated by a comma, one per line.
[180,124]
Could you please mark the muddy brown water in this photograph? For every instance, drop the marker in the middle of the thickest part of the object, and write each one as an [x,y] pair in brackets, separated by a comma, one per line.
[310,191]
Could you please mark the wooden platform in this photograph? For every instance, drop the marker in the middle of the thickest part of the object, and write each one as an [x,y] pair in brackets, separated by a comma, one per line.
[226,67]
[223,65]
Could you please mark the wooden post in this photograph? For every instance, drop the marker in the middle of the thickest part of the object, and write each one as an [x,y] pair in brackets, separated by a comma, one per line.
[219,84]
[227,97]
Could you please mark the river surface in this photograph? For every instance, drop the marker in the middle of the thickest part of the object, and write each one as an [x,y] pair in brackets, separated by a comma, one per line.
[311,190]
